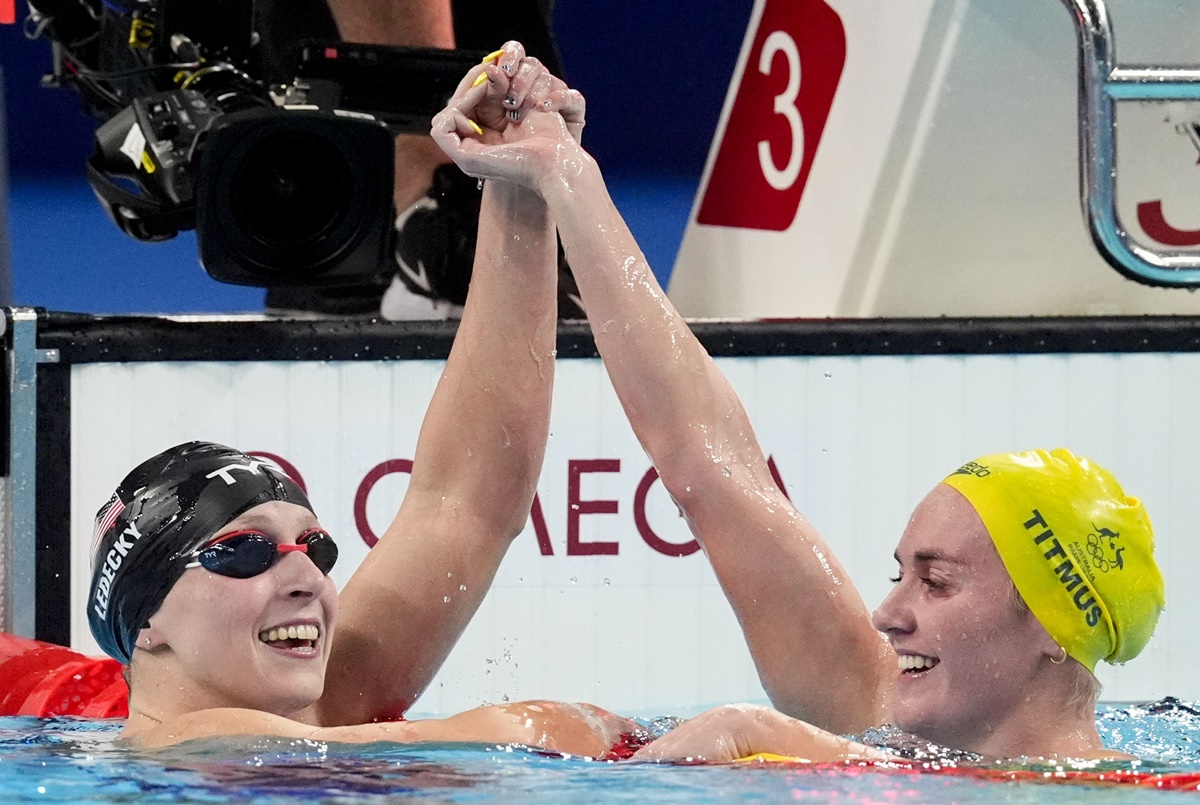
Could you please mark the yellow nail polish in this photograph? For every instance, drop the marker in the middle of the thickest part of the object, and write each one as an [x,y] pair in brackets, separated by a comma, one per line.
[475,126]
[482,79]
[493,56]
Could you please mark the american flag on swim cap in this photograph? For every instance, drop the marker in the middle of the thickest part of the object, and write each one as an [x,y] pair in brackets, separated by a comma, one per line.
[107,515]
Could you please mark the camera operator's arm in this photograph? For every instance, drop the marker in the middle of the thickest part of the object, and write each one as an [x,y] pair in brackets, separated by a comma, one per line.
[478,456]
[427,23]
[415,23]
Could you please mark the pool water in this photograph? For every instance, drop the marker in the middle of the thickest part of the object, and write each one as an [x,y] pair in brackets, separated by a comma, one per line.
[73,760]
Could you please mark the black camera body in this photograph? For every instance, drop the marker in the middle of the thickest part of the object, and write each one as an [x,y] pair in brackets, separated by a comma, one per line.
[277,196]
[285,185]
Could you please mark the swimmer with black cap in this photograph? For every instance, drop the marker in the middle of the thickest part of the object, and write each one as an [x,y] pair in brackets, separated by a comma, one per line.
[999,613]
[210,569]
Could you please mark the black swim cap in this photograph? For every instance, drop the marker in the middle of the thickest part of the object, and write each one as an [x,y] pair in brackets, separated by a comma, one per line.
[164,510]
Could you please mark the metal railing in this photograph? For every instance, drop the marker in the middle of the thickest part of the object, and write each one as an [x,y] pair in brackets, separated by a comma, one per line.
[1101,84]
[18,534]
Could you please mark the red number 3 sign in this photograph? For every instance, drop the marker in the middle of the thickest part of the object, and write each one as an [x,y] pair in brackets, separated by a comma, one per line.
[778,114]
[8,12]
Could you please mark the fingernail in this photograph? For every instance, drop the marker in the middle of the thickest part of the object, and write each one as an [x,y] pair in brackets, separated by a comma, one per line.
[511,100]
[481,79]
[475,126]
[495,54]
[515,114]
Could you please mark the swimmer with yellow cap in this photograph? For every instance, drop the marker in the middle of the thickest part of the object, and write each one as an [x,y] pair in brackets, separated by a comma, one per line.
[1079,551]
[1016,575]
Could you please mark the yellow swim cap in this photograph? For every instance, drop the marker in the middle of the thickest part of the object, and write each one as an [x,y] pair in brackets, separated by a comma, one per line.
[1079,551]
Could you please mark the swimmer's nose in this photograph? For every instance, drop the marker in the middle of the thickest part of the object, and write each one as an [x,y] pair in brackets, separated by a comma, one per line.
[894,614]
[300,577]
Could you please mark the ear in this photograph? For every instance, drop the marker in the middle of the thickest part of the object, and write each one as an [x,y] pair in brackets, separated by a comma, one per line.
[1044,643]
[149,638]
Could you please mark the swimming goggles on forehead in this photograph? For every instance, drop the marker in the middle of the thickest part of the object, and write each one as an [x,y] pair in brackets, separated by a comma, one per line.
[244,554]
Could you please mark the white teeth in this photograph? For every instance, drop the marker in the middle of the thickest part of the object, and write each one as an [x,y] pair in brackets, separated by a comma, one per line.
[915,662]
[306,631]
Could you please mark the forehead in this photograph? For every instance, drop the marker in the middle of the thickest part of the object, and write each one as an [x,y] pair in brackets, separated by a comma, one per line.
[946,526]
[276,518]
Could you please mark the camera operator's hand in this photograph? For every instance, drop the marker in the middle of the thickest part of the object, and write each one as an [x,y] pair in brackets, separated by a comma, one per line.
[531,120]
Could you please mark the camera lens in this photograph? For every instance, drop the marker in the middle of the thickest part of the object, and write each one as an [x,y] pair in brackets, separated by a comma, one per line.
[293,188]
[293,197]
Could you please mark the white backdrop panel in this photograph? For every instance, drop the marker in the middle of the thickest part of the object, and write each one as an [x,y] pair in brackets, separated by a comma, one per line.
[857,440]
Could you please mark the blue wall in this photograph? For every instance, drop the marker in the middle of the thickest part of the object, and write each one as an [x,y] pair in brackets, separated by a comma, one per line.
[654,74]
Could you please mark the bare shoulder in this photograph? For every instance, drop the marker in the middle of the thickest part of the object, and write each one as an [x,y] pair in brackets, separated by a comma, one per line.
[233,722]
[216,723]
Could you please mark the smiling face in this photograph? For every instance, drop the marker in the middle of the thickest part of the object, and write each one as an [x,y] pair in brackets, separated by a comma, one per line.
[221,640]
[967,653]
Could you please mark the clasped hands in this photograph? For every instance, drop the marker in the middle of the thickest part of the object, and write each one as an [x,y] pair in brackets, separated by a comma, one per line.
[510,119]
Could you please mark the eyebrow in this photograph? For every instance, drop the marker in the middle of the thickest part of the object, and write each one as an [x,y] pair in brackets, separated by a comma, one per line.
[930,555]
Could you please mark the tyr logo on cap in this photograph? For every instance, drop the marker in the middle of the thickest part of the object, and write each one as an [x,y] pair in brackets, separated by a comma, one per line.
[252,467]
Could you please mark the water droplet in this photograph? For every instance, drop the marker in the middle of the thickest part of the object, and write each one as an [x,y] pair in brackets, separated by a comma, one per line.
[726,471]
[462,588]
[607,582]
[479,183]
[574,579]
[446,599]
[829,374]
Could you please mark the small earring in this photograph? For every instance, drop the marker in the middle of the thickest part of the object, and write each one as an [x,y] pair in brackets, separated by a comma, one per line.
[1059,661]
[147,641]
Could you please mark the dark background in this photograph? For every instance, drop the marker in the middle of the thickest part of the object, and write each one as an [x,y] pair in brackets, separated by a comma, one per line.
[654,73]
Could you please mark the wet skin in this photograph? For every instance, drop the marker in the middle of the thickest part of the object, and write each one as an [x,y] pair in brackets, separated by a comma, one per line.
[953,603]
[205,637]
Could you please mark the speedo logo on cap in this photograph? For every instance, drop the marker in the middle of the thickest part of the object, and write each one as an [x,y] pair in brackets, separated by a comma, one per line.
[1065,569]
[973,468]
[112,563]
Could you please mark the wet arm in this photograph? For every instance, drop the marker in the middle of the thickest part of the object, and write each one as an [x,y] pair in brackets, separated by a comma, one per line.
[477,461]
[571,728]
[807,627]
[739,731]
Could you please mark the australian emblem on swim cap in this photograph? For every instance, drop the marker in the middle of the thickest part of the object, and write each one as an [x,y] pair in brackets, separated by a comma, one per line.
[1078,549]
[162,511]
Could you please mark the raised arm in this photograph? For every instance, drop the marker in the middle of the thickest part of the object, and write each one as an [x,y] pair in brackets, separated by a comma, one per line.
[807,627]
[478,456]
[817,654]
